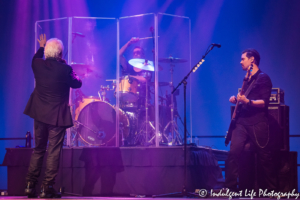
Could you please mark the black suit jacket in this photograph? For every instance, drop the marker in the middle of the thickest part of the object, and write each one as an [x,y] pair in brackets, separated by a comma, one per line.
[49,102]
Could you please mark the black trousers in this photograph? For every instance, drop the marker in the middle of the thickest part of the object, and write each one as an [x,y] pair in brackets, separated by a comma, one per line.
[43,133]
[258,136]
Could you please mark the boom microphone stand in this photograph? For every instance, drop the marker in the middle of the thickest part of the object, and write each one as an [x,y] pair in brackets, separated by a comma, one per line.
[184,82]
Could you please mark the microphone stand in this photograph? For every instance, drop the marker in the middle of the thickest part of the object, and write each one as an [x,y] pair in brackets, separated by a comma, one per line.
[184,192]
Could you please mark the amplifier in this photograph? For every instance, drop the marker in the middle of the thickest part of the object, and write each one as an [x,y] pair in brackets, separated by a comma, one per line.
[279,125]
[277,96]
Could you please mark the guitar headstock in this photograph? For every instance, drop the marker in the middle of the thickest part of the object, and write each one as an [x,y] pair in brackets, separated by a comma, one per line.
[249,70]
[198,65]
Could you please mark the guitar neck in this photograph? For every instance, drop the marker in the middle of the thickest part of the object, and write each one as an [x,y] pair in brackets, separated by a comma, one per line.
[237,103]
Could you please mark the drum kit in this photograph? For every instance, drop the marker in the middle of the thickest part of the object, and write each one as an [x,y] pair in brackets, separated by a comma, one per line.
[95,117]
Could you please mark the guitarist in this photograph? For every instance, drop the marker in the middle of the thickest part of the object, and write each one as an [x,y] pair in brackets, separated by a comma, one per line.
[251,124]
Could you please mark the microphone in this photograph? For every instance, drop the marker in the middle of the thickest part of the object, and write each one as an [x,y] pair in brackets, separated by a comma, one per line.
[78,34]
[216,45]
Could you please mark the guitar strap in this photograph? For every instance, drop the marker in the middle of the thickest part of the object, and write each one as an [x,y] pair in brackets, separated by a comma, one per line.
[250,87]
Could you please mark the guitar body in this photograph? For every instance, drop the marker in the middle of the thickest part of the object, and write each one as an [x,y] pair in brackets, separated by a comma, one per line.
[237,107]
[229,132]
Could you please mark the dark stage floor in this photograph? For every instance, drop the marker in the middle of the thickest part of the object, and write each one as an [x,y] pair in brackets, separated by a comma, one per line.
[120,198]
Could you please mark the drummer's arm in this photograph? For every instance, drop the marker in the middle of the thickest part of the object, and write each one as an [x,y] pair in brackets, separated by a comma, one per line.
[123,60]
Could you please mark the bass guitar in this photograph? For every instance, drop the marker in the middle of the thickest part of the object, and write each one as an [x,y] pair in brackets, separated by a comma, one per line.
[238,105]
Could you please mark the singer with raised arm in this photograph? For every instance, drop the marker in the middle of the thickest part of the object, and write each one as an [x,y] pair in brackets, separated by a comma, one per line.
[251,125]
[49,106]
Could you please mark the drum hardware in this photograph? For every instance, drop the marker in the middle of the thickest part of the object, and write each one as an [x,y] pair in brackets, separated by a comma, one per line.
[162,138]
[74,141]
[142,135]
[102,92]
[121,129]
[99,134]
[171,59]
[176,137]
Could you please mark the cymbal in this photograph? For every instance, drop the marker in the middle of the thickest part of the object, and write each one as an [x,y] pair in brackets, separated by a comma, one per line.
[81,69]
[171,59]
[160,83]
[142,64]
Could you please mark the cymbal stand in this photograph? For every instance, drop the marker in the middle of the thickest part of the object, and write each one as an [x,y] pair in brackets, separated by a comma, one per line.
[176,137]
[150,123]
[74,133]
[146,125]
[146,107]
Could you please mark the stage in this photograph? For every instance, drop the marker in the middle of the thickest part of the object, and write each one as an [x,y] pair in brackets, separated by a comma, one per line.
[117,198]
[124,171]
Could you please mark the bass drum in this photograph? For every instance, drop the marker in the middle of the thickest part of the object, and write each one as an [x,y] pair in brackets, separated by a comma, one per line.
[97,124]
[84,102]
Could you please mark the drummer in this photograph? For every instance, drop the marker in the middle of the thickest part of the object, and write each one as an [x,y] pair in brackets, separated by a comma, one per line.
[127,69]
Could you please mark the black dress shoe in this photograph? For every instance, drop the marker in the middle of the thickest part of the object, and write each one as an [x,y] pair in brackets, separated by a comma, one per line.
[30,190]
[47,191]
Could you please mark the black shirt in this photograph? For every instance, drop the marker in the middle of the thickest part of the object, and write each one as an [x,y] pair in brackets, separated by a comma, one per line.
[261,90]
[130,71]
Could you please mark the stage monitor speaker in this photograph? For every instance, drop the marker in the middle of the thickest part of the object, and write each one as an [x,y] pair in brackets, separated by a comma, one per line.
[279,125]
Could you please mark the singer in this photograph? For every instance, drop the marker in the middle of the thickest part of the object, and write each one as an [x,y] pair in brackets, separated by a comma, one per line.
[252,126]
[49,106]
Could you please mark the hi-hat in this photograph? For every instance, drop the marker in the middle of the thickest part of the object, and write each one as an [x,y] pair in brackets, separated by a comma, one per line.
[171,59]
[142,64]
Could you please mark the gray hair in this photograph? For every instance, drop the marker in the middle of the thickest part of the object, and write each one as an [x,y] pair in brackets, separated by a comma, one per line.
[54,48]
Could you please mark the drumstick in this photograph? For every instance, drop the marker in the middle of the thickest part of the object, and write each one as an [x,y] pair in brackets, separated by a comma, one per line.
[145,38]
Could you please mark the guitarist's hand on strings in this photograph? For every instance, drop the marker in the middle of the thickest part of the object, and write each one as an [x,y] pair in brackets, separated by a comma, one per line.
[242,99]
